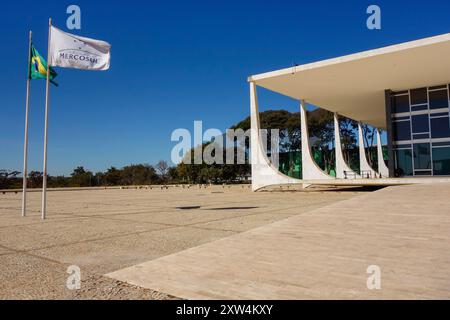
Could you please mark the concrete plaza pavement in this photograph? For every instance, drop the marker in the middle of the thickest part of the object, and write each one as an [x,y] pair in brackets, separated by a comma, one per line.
[321,254]
[102,231]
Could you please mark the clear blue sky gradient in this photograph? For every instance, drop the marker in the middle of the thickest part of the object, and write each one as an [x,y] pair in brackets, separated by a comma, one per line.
[172,63]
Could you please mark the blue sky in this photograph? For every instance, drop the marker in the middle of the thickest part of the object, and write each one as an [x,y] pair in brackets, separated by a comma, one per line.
[174,62]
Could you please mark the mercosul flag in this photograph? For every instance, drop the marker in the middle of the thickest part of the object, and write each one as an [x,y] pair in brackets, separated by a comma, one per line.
[71,51]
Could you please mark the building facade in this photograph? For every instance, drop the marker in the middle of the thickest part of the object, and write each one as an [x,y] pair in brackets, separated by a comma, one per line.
[402,89]
[420,131]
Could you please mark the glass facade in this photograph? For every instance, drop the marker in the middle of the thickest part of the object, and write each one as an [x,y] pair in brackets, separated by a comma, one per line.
[422,158]
[403,162]
[290,163]
[441,160]
[421,131]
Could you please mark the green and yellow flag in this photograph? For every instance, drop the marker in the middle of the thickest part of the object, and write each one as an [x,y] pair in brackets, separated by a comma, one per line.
[38,67]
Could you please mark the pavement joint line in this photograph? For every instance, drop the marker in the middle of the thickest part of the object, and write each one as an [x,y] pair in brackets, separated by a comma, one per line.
[162,207]
[68,217]
[86,272]
[216,229]
[120,235]
[29,253]
[62,219]
[169,226]
[106,217]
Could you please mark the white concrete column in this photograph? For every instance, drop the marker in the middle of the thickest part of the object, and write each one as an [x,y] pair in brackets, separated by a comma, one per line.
[382,168]
[364,166]
[341,165]
[310,169]
[263,172]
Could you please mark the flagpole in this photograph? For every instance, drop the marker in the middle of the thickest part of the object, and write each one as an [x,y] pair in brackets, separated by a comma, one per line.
[25,143]
[44,180]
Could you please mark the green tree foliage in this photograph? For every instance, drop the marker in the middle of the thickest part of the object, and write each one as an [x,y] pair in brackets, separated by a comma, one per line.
[140,174]
[213,173]
[81,178]
[35,179]
[8,179]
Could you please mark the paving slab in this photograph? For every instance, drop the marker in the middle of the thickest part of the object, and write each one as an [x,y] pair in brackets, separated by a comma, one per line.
[245,222]
[37,278]
[105,230]
[321,254]
[102,256]
[58,233]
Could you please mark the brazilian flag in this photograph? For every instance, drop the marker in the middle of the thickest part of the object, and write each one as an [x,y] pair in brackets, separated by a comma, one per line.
[38,67]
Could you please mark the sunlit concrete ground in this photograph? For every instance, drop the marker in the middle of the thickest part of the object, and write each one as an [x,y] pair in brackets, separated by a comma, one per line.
[102,231]
[390,244]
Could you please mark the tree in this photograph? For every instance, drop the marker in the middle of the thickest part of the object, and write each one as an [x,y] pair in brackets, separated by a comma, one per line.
[348,140]
[140,174]
[99,178]
[321,125]
[162,167]
[112,176]
[81,177]
[369,140]
[35,179]
[8,179]
[173,175]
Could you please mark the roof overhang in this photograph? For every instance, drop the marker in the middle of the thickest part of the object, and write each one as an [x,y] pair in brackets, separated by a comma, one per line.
[354,85]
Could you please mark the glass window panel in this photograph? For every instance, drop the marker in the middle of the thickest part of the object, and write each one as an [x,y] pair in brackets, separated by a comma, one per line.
[421,136]
[403,162]
[400,104]
[441,161]
[420,123]
[440,127]
[402,130]
[419,96]
[441,144]
[439,114]
[419,107]
[438,99]
[422,156]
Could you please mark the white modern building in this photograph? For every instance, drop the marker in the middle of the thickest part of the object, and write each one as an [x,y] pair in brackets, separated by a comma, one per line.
[402,89]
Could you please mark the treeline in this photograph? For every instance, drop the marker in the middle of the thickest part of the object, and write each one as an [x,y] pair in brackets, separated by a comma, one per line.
[321,130]
[80,177]
[139,174]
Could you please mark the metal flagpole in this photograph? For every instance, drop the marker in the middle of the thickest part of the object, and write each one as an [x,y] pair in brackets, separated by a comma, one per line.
[25,144]
[44,180]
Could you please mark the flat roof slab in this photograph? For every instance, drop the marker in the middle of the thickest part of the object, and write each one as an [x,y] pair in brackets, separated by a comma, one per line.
[354,85]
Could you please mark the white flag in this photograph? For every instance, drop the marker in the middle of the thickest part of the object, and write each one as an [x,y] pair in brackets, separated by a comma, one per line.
[71,51]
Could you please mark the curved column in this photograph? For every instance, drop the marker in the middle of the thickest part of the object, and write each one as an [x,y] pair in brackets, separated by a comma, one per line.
[382,168]
[341,165]
[363,163]
[263,172]
[310,169]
